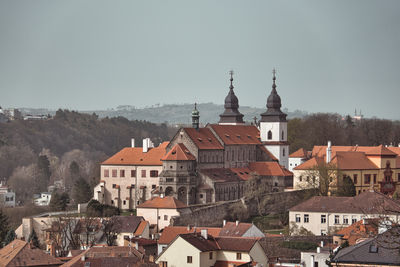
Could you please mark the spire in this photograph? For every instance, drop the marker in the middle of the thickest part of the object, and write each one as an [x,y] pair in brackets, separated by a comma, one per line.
[273,112]
[195,117]
[231,115]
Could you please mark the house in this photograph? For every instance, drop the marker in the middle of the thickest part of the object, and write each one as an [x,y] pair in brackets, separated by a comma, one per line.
[240,229]
[360,230]
[131,227]
[7,196]
[298,157]
[382,250]
[316,258]
[203,164]
[322,215]
[20,253]
[144,245]
[42,199]
[205,250]
[160,210]
[376,166]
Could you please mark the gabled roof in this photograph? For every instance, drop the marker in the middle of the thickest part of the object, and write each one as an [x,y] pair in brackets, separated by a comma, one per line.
[179,152]
[237,134]
[19,253]
[220,175]
[231,229]
[203,138]
[362,229]
[380,151]
[141,228]
[310,164]
[366,203]
[129,224]
[320,151]
[300,153]
[169,233]
[136,156]
[269,168]
[163,203]
[346,160]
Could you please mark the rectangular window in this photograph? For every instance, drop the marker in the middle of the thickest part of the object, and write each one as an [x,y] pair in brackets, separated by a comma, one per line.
[306,218]
[124,202]
[353,219]
[143,173]
[122,173]
[337,219]
[323,218]
[298,218]
[238,256]
[189,259]
[153,186]
[367,178]
[398,177]
[345,219]
[165,217]
[355,178]
[153,173]
[106,173]
[374,178]
[133,173]
[210,255]
[114,173]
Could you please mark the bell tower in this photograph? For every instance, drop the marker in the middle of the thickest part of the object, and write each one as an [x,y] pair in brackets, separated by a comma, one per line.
[231,114]
[273,127]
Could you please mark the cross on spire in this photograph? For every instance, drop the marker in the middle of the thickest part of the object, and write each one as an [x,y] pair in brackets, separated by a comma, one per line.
[231,73]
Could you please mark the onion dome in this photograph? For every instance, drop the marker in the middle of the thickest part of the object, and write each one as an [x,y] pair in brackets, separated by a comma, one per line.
[231,114]
[273,113]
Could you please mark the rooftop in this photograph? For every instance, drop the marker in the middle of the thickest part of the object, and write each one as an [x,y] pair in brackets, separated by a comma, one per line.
[179,152]
[163,203]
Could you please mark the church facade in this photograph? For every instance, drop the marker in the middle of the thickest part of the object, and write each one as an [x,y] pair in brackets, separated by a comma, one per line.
[213,163]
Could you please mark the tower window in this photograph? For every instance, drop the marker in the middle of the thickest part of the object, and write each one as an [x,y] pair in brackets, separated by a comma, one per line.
[283,152]
[283,135]
[269,135]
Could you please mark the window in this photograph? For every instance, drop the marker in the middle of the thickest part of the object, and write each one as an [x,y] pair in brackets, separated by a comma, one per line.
[189,259]
[238,256]
[164,263]
[283,152]
[269,135]
[323,218]
[143,173]
[201,195]
[374,178]
[283,135]
[298,218]
[337,219]
[114,186]
[165,217]
[122,173]
[355,178]
[114,173]
[106,173]
[306,218]
[367,178]
[124,202]
[210,255]
[112,202]
[345,219]
[132,186]
[373,248]
[153,173]
[315,263]
[301,178]
[133,173]
[353,219]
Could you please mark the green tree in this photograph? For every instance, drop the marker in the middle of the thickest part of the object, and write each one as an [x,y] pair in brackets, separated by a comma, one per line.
[81,191]
[9,237]
[346,187]
[58,201]
[33,239]
[4,227]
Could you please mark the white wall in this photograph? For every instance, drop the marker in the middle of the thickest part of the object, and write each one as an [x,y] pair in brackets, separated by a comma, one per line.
[294,162]
[177,252]
[150,215]
[307,257]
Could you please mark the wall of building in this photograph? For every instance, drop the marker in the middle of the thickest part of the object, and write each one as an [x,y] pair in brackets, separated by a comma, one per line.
[176,254]
[311,258]
[294,162]
[155,216]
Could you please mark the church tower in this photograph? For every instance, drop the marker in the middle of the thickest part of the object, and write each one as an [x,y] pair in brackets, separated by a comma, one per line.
[195,117]
[273,127]
[231,115]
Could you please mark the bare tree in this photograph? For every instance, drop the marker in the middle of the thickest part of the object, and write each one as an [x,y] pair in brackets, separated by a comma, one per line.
[111,228]
[62,235]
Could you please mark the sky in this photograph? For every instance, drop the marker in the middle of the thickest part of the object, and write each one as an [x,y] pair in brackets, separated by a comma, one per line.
[330,56]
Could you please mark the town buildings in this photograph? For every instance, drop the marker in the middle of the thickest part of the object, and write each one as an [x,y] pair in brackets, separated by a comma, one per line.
[7,196]
[203,164]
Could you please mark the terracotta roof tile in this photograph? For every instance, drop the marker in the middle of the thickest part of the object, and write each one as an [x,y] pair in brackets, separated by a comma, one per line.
[163,203]
[140,228]
[220,175]
[352,161]
[269,168]
[179,152]
[169,233]
[237,134]
[300,153]
[231,229]
[361,229]
[136,156]
[203,138]
[380,151]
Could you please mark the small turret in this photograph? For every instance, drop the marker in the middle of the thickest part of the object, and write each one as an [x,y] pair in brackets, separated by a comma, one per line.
[195,117]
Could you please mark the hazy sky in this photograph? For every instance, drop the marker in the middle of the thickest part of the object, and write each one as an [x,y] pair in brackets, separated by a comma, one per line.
[331,56]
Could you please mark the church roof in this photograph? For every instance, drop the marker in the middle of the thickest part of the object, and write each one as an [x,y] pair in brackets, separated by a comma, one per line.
[203,138]
[273,113]
[269,168]
[179,152]
[231,113]
[237,134]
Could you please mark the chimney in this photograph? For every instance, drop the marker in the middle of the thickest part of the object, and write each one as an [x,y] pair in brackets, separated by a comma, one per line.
[318,250]
[223,223]
[188,227]
[83,258]
[137,245]
[145,145]
[237,222]
[312,261]
[329,152]
[133,142]
[204,233]
[322,243]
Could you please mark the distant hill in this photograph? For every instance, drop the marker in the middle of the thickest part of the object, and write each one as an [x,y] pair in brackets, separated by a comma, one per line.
[172,113]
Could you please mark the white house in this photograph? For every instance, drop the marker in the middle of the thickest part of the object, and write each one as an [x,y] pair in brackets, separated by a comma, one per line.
[43,199]
[7,197]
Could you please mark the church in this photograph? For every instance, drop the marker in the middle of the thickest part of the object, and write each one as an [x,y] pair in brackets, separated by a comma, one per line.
[203,164]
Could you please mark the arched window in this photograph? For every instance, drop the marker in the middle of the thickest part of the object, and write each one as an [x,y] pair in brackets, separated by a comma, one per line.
[269,135]
[283,135]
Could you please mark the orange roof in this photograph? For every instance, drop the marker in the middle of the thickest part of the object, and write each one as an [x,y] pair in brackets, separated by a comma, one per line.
[203,138]
[179,152]
[136,156]
[269,168]
[380,151]
[163,203]
[320,151]
[237,134]
[310,164]
[346,160]
[140,228]
[170,232]
[301,153]
[361,229]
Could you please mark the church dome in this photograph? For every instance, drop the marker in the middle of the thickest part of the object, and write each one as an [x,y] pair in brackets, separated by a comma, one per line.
[231,100]
[274,100]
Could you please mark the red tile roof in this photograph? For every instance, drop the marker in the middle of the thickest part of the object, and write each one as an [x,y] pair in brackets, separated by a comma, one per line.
[19,253]
[269,168]
[352,161]
[361,229]
[136,156]
[203,138]
[301,153]
[231,229]
[221,175]
[237,134]
[179,152]
[140,228]
[163,203]
[380,151]
[171,232]
[320,151]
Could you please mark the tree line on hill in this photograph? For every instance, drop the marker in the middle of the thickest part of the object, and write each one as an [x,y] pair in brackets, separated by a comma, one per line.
[319,128]
[67,148]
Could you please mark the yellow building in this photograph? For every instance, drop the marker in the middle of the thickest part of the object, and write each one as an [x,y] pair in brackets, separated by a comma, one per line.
[375,167]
